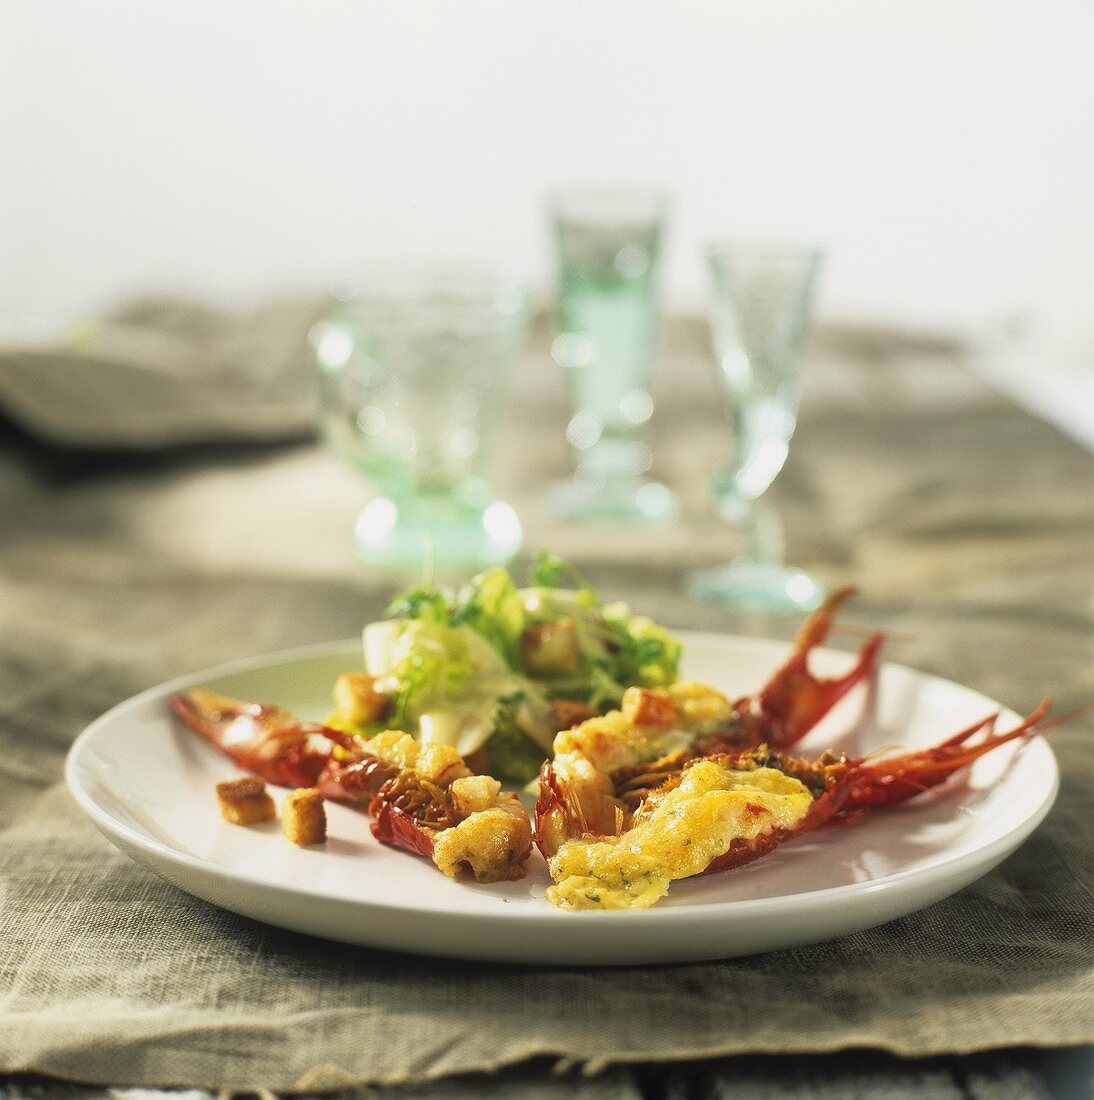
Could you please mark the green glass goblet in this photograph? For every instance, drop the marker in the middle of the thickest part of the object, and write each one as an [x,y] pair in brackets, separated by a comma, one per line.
[762,297]
[609,242]
[413,365]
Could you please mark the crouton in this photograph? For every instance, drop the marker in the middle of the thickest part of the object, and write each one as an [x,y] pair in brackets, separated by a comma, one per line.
[358,701]
[567,713]
[303,817]
[245,801]
[648,708]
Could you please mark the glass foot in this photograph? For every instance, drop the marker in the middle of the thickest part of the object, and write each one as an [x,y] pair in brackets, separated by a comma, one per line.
[634,501]
[756,586]
[416,535]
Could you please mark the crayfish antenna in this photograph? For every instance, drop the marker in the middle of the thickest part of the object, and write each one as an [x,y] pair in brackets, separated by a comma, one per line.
[1044,727]
[1027,729]
[864,786]
[961,737]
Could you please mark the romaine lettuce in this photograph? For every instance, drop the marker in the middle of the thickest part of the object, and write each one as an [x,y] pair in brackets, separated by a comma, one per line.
[491,605]
[446,681]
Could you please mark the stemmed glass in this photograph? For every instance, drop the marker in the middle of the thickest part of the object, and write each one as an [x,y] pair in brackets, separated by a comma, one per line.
[413,365]
[609,242]
[762,296]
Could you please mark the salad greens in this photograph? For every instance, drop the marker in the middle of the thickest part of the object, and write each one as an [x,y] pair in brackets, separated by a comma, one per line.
[510,754]
[477,668]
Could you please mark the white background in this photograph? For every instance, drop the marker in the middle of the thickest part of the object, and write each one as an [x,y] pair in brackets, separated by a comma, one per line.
[941,148]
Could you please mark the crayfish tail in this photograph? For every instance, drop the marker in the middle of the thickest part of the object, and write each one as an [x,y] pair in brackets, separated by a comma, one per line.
[259,737]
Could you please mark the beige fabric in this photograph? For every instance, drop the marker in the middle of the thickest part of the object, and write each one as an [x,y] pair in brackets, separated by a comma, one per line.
[968,525]
[166,370]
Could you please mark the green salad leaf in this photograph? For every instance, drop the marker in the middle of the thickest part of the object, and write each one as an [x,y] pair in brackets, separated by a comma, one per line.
[423,601]
[446,680]
[511,755]
[618,649]
[550,571]
[647,654]
[491,605]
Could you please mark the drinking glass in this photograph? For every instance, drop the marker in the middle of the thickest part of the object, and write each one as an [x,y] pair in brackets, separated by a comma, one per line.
[413,364]
[608,242]
[762,296]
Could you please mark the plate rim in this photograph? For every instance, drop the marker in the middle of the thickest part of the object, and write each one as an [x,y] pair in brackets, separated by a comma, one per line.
[127,837]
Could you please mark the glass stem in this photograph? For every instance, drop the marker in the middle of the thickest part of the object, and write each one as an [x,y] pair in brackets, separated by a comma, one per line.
[761,539]
[610,461]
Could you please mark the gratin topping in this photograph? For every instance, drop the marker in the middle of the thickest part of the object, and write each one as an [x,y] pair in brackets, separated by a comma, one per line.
[693,824]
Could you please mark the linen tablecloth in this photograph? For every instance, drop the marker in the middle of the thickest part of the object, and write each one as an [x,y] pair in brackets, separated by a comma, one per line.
[967,524]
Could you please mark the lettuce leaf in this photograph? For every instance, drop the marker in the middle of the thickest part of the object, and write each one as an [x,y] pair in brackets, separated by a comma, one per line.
[646,654]
[511,755]
[618,649]
[448,682]
[551,571]
[423,601]
[490,604]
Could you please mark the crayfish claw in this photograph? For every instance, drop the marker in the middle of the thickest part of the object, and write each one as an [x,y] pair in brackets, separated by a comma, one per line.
[817,626]
[794,700]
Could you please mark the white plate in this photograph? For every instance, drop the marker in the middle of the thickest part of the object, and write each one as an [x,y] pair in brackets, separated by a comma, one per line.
[147,784]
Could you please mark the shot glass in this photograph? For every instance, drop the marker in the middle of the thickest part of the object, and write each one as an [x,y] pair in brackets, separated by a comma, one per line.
[608,242]
[413,366]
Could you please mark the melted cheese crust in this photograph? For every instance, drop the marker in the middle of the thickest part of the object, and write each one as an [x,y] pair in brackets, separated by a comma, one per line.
[586,755]
[439,764]
[699,708]
[691,827]
[493,844]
